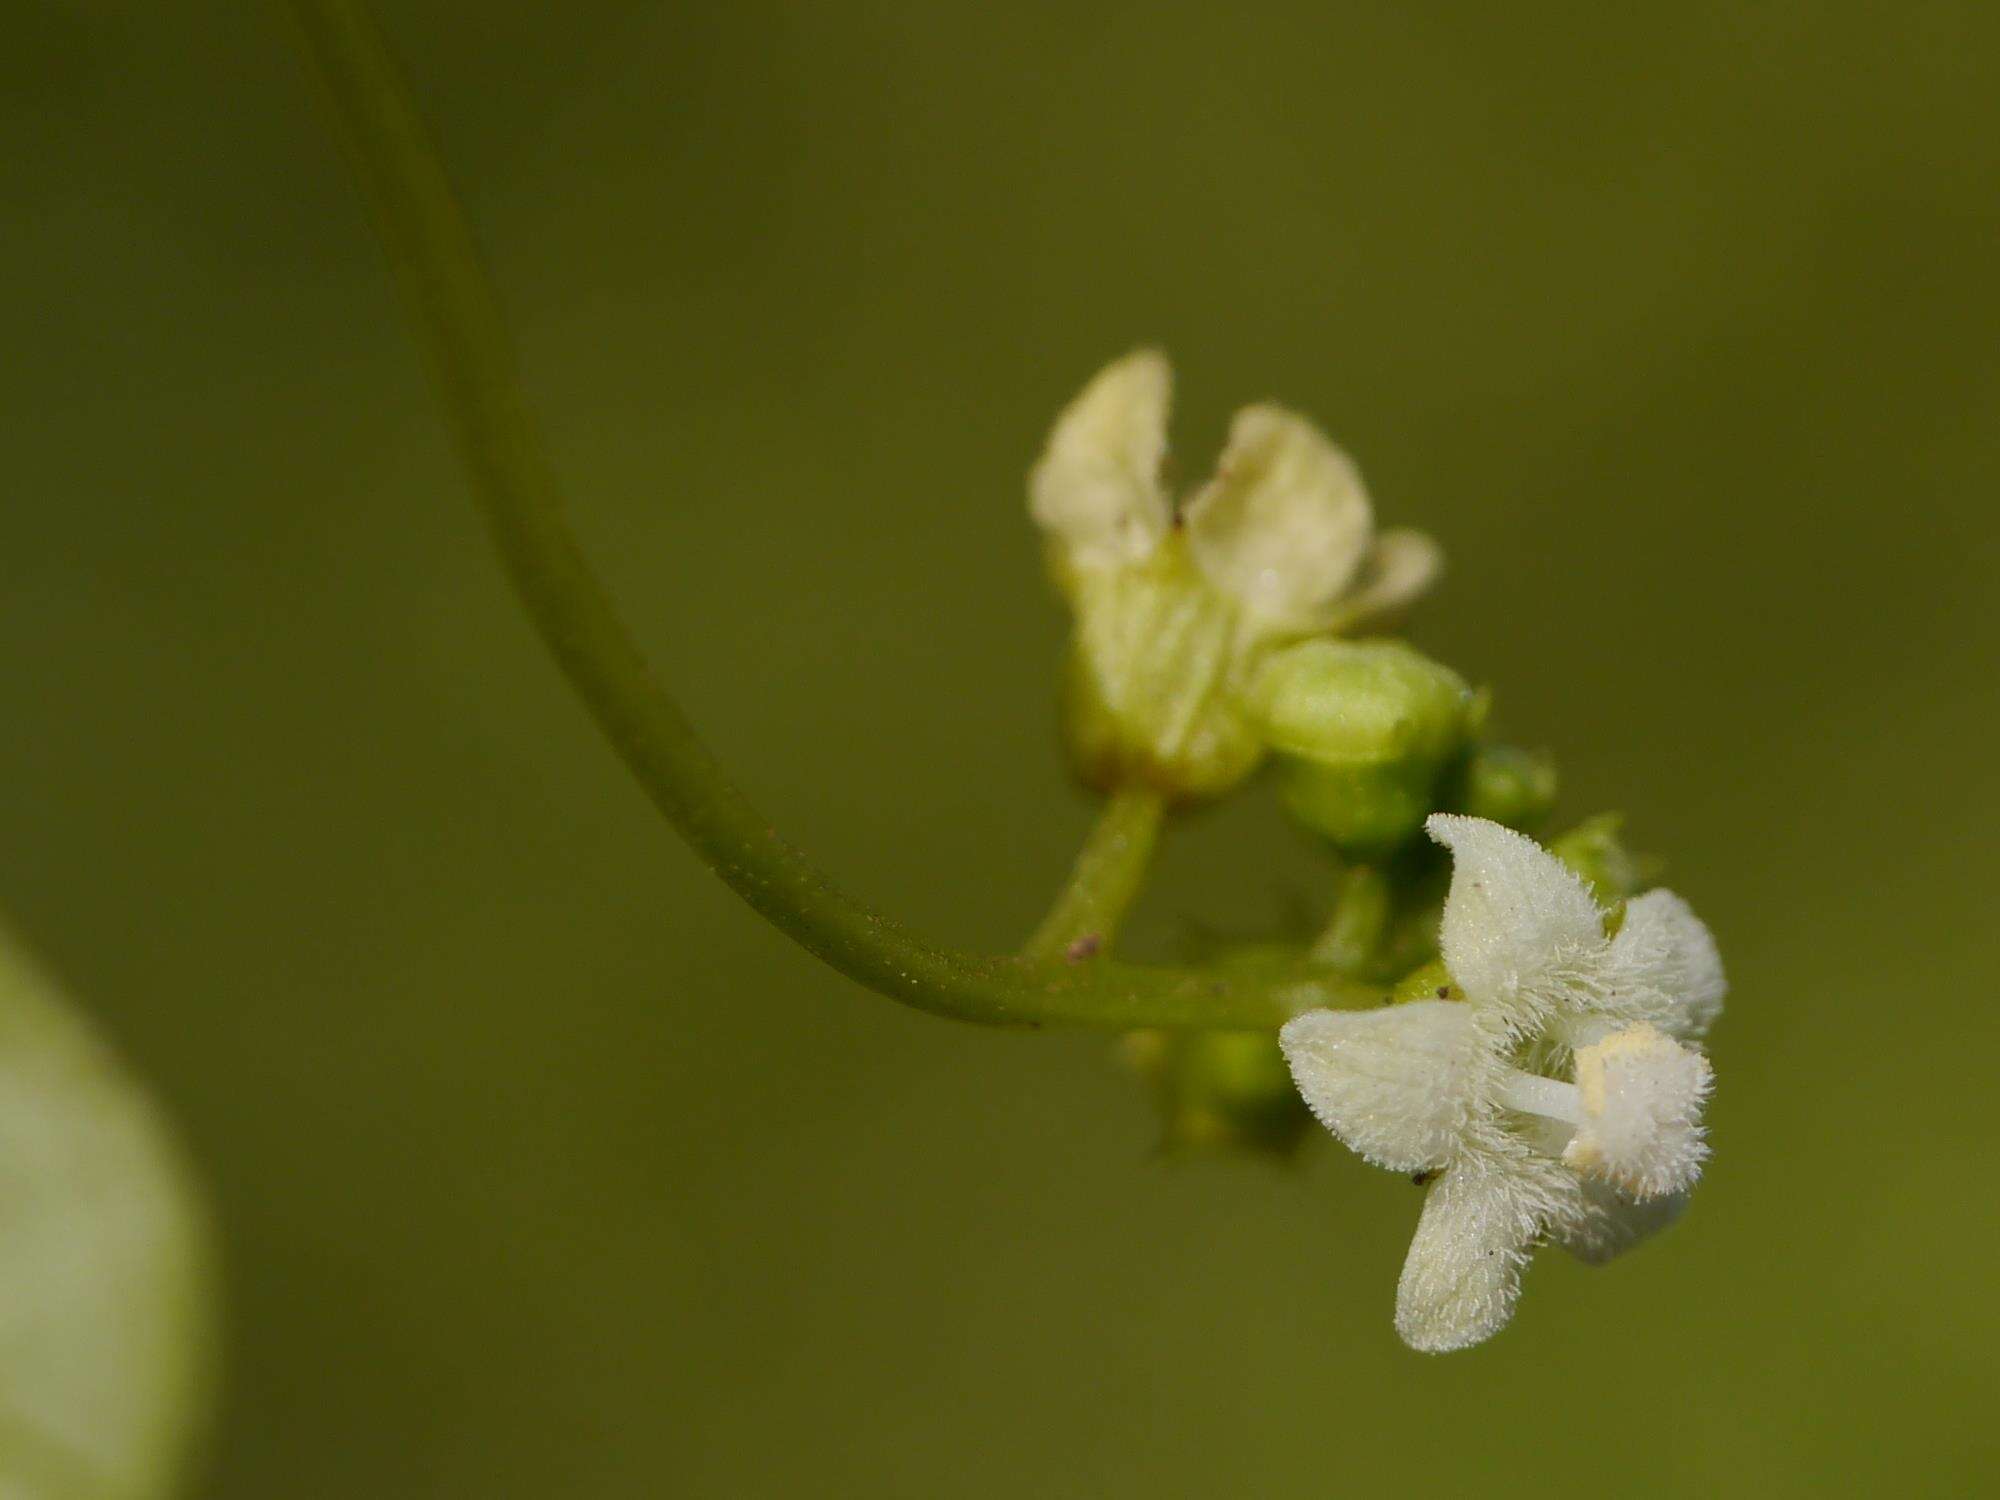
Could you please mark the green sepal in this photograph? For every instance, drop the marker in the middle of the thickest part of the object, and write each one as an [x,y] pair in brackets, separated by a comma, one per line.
[1505,784]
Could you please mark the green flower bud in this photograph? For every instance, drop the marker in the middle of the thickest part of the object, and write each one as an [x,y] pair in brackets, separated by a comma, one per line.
[1222,1091]
[1363,811]
[1176,610]
[1363,731]
[1506,785]
[1596,850]
[1361,703]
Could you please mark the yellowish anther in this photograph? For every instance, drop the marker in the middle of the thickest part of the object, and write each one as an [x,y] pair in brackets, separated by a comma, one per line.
[1641,1095]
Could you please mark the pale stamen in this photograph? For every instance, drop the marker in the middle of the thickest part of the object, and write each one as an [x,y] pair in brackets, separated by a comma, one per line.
[1634,1110]
[1551,1098]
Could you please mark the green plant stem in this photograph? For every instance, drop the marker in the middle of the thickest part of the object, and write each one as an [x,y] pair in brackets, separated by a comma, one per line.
[1360,917]
[459,323]
[1105,879]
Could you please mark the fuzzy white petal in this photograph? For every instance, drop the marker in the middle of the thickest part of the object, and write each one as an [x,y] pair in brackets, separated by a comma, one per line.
[1642,1095]
[1395,1084]
[1097,489]
[1284,524]
[1463,1273]
[1518,924]
[1665,967]
[1607,1223]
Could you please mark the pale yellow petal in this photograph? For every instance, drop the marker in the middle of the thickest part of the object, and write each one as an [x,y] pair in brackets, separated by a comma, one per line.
[1284,524]
[1096,490]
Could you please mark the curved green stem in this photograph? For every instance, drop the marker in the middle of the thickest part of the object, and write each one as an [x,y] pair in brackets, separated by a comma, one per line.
[460,326]
[1105,879]
[1360,916]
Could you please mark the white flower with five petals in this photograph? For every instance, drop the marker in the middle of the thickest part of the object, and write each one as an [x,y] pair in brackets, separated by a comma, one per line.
[1561,1099]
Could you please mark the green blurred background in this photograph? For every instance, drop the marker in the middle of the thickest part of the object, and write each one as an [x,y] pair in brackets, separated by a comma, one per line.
[544,1168]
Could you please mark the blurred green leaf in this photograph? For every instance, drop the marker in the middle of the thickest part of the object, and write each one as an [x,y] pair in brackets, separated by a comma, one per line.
[102,1286]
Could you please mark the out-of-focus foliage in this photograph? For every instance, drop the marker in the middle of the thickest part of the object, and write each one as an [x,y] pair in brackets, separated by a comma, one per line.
[544,1168]
[103,1291]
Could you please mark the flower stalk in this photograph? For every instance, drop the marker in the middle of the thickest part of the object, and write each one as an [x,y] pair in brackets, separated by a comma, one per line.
[459,323]
[1105,879]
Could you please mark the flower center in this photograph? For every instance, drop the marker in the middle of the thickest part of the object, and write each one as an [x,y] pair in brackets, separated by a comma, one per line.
[1634,1111]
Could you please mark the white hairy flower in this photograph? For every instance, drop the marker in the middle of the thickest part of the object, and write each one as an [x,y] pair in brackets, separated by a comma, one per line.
[1561,1099]
[1284,528]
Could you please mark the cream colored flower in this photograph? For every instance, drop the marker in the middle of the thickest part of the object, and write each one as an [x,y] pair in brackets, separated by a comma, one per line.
[1561,1099]
[1176,607]
[1284,528]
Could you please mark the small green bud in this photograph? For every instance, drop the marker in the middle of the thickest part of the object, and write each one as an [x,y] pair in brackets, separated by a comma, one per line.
[1596,850]
[1365,811]
[1361,703]
[1507,785]
[1222,1090]
[1363,731]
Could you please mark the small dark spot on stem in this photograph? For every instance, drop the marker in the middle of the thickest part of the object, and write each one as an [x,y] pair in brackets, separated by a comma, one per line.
[1085,947]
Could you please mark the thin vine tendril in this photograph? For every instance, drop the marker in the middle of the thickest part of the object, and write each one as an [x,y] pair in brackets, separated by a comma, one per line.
[459,324]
